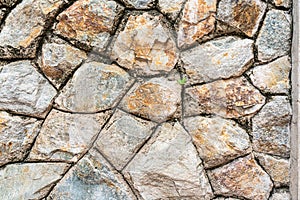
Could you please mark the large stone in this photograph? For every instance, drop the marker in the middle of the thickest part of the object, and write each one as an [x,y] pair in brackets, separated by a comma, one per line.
[94,87]
[230,98]
[122,137]
[274,37]
[139,4]
[66,136]
[245,15]
[271,127]
[145,46]
[220,58]
[8,3]
[89,22]
[243,178]
[168,167]
[170,8]
[92,178]
[23,90]
[217,140]
[280,195]
[157,99]
[29,180]
[272,77]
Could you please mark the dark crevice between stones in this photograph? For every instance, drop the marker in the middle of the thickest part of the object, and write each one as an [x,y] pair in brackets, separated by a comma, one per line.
[22,115]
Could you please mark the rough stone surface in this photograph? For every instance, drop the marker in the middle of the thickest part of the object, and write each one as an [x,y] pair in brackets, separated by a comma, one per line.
[175,173]
[139,4]
[224,198]
[92,178]
[242,14]
[170,8]
[230,98]
[94,87]
[274,37]
[220,58]
[280,195]
[243,178]
[217,140]
[282,3]
[23,90]
[145,46]
[122,137]
[271,127]
[66,136]
[8,3]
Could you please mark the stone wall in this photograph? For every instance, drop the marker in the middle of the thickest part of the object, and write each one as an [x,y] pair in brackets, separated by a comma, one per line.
[146,99]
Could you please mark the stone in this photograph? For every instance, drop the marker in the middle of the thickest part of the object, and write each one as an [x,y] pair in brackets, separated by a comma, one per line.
[242,178]
[24,91]
[197,20]
[282,3]
[272,77]
[139,4]
[170,8]
[8,3]
[168,167]
[29,180]
[16,135]
[92,178]
[280,195]
[89,22]
[217,59]
[32,17]
[122,137]
[244,15]
[58,61]
[224,198]
[157,99]
[145,46]
[271,127]
[66,136]
[217,140]
[231,98]
[94,87]
[274,38]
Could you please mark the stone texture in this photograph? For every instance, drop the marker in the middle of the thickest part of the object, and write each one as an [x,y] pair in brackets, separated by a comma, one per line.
[243,178]
[170,8]
[274,37]
[66,136]
[220,58]
[23,90]
[89,22]
[16,135]
[230,98]
[163,170]
[29,180]
[157,99]
[245,15]
[271,127]
[122,137]
[217,140]
[92,178]
[145,46]
[224,198]
[8,3]
[282,3]
[94,87]
[272,77]
[139,4]
[280,195]
[197,20]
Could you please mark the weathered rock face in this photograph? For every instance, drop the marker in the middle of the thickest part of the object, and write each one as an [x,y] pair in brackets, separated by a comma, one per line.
[139,4]
[280,195]
[23,90]
[170,8]
[145,46]
[220,58]
[8,3]
[224,198]
[282,3]
[175,173]
[94,87]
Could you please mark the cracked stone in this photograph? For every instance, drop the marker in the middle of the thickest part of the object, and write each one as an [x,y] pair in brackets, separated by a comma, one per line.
[8,3]
[162,170]
[271,127]
[24,91]
[274,37]
[65,136]
[89,22]
[245,15]
[145,46]
[139,4]
[94,87]
[280,195]
[92,178]
[122,137]
[221,58]
[29,180]
[217,140]
[230,98]
[170,8]
[242,178]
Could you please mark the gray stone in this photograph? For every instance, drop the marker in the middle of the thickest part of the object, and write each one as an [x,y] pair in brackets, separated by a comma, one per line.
[8,3]
[170,8]
[221,58]
[282,3]
[280,195]
[94,87]
[23,90]
[168,167]
[224,198]
[139,4]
